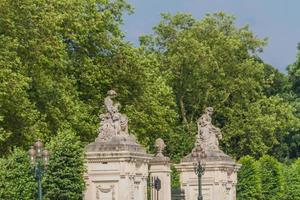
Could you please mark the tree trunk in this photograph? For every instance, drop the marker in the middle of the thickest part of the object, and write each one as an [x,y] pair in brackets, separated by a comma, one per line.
[182,109]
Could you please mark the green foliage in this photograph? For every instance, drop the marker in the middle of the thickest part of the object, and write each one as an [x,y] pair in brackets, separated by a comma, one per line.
[175,182]
[276,83]
[197,57]
[292,179]
[294,73]
[64,178]
[16,178]
[211,62]
[249,185]
[147,99]
[256,129]
[292,141]
[40,44]
[61,59]
[271,176]
[19,118]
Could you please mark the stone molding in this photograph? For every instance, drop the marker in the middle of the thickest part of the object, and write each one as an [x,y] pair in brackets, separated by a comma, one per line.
[94,157]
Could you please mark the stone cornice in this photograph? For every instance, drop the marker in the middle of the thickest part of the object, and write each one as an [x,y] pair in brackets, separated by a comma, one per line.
[117,156]
[210,166]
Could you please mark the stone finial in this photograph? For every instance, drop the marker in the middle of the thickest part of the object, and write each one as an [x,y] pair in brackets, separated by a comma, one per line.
[160,146]
[112,122]
[208,135]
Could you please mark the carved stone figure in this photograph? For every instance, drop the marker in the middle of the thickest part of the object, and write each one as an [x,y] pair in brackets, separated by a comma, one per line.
[108,102]
[112,122]
[208,135]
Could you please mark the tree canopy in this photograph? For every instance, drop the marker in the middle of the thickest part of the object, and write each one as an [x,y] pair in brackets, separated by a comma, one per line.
[59,58]
[212,62]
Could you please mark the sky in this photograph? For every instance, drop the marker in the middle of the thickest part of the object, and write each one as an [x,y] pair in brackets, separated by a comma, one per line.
[277,20]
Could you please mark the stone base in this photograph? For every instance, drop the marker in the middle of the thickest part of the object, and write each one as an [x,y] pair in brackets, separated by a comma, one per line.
[160,168]
[116,172]
[218,182]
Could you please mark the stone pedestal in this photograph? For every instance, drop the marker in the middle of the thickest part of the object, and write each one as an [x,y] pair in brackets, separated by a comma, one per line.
[116,171]
[160,168]
[218,181]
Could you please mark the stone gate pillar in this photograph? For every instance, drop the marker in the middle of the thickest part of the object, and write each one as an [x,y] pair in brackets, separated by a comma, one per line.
[117,166]
[160,170]
[220,176]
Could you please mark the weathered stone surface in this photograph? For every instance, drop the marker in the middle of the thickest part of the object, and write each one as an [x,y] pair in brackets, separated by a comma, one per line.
[112,122]
[113,132]
[117,165]
[218,181]
[160,167]
[220,177]
[208,135]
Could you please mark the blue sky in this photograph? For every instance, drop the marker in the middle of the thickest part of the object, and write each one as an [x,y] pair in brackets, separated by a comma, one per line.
[278,20]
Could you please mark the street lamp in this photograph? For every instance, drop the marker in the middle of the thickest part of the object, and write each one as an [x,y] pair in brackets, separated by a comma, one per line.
[199,167]
[39,160]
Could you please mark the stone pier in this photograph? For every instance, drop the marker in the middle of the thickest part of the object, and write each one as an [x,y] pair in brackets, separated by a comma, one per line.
[117,166]
[220,176]
[160,168]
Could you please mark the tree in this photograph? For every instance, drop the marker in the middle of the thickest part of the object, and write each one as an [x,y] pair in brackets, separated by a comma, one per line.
[292,179]
[272,182]
[39,41]
[211,62]
[292,141]
[64,177]
[258,128]
[277,83]
[16,179]
[143,92]
[205,60]
[61,58]
[249,186]
[294,73]
[19,118]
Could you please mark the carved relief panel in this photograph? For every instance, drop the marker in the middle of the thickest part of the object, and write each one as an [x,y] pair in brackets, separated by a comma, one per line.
[105,192]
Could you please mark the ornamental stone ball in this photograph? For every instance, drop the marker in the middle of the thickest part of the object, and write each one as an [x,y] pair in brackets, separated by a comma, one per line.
[160,146]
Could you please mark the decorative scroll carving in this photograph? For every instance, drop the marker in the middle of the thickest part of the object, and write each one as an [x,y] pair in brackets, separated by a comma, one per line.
[112,122]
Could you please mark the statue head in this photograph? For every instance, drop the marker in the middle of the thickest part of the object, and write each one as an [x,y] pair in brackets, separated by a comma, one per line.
[209,110]
[112,93]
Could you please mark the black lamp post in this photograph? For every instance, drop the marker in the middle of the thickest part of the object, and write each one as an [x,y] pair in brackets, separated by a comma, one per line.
[199,170]
[200,156]
[39,160]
